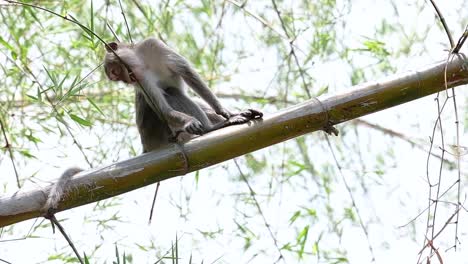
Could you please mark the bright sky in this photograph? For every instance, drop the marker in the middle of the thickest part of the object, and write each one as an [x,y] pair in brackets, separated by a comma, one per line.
[211,204]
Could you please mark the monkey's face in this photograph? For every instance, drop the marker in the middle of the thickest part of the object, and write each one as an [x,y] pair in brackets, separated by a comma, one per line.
[115,71]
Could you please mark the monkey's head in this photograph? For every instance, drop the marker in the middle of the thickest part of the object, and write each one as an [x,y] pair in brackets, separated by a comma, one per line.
[113,67]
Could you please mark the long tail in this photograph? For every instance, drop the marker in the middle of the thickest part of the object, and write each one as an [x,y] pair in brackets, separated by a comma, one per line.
[58,189]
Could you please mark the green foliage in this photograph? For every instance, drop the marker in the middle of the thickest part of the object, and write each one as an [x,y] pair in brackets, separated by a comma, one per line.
[63,258]
[55,97]
[121,259]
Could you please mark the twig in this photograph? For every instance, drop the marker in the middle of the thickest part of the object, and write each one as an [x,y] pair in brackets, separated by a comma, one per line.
[258,18]
[444,24]
[154,201]
[139,7]
[353,201]
[457,128]
[24,236]
[431,244]
[461,40]
[446,223]
[217,43]
[8,147]
[54,221]
[399,135]
[439,181]
[126,23]
[431,145]
[257,204]
[431,202]
[293,51]
[438,123]
[112,31]
[431,241]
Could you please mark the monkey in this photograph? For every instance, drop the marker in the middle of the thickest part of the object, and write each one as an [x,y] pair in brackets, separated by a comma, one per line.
[59,189]
[163,108]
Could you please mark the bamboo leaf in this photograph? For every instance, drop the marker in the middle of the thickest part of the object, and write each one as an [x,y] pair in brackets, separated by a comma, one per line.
[80,120]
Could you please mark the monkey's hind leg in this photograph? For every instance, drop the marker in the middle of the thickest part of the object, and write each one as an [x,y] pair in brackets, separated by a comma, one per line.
[183,105]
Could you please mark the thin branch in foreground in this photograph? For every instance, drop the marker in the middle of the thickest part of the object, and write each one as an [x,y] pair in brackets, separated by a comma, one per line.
[353,201]
[257,204]
[257,17]
[154,201]
[431,216]
[8,147]
[431,241]
[140,8]
[126,23]
[439,180]
[112,31]
[401,136]
[54,221]
[461,40]
[24,236]
[4,261]
[436,251]
[444,24]
[431,202]
[293,50]
[458,157]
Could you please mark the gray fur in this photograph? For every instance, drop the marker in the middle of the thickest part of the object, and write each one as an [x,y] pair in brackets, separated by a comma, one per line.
[59,189]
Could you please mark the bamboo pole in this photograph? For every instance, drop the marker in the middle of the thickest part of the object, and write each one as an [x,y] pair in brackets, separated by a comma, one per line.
[218,146]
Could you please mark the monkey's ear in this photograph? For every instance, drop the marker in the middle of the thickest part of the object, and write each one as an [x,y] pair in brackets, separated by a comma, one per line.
[111,46]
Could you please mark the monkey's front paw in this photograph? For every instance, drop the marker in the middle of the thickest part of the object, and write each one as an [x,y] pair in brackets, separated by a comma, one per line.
[194,127]
[251,114]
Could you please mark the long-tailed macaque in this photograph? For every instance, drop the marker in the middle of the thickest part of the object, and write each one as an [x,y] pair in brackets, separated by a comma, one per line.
[163,109]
